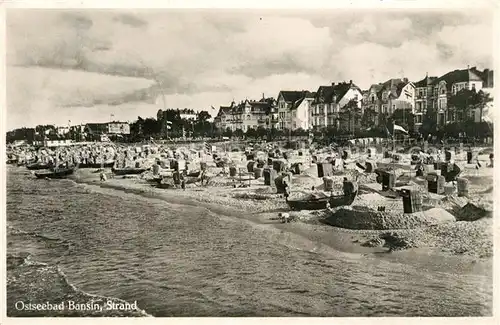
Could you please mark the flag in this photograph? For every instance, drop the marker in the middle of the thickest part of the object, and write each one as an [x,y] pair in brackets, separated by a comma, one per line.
[169,122]
[399,128]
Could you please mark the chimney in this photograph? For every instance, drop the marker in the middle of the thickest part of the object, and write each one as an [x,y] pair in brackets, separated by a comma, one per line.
[333,84]
[405,80]
[263,96]
[350,82]
[468,67]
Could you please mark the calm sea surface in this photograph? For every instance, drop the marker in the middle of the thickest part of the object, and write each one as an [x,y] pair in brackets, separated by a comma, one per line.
[179,260]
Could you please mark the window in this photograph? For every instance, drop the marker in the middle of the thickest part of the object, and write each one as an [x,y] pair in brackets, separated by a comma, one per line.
[373,99]
[443,91]
[473,86]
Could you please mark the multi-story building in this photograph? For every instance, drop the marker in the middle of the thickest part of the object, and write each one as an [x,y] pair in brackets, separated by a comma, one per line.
[382,100]
[187,114]
[424,98]
[329,101]
[435,93]
[62,130]
[96,128]
[293,109]
[248,114]
[118,128]
[396,94]
[372,103]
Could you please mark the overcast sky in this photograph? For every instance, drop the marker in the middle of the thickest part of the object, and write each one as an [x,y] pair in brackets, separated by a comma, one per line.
[86,65]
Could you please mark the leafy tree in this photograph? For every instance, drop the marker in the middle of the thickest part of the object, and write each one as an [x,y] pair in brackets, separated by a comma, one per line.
[239,133]
[251,133]
[453,130]
[429,123]
[300,132]
[466,100]
[261,132]
[228,133]
[202,124]
[27,134]
[274,134]
[350,117]
[368,118]
[404,118]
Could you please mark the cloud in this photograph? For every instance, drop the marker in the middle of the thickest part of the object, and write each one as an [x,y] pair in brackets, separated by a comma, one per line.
[204,58]
[36,95]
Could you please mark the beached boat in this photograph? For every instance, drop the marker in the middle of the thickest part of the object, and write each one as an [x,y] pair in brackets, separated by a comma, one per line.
[55,173]
[322,202]
[155,179]
[194,173]
[109,164]
[128,171]
[37,166]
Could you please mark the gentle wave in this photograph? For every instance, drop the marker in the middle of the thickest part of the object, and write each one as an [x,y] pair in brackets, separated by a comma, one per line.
[16,261]
[182,260]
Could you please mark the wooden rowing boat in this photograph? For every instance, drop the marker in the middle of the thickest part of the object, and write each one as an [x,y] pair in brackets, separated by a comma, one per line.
[109,164]
[322,203]
[128,171]
[55,173]
[38,166]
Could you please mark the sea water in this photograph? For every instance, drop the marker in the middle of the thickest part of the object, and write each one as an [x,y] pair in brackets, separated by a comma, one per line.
[177,260]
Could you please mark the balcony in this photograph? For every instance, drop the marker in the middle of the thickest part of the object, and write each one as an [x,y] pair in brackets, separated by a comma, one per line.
[320,113]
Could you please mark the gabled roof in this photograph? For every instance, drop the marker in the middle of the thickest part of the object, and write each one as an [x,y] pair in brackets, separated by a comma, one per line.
[263,104]
[224,110]
[464,75]
[376,87]
[296,97]
[425,82]
[393,86]
[291,96]
[327,94]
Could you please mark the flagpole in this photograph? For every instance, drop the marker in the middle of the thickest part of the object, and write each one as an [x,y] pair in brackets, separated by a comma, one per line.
[393,152]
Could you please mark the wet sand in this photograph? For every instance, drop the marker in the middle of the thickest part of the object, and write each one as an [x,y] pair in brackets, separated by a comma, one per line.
[320,238]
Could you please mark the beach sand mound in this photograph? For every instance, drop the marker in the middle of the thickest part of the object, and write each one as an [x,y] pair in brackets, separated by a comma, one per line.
[369,219]
[472,212]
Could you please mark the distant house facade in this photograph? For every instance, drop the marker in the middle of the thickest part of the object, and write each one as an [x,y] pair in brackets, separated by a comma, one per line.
[96,128]
[372,103]
[187,114]
[248,114]
[293,109]
[62,130]
[118,128]
[424,98]
[329,101]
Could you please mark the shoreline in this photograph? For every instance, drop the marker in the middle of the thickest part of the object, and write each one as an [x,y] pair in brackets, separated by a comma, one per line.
[48,278]
[318,238]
